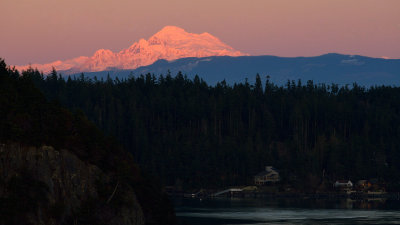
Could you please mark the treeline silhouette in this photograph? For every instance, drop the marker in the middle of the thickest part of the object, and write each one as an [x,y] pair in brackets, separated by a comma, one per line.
[191,134]
[28,119]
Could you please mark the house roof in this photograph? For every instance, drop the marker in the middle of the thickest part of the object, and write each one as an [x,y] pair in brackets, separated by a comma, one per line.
[274,169]
[264,173]
[343,181]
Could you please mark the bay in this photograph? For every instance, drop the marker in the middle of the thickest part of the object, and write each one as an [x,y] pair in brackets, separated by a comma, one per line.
[287,211]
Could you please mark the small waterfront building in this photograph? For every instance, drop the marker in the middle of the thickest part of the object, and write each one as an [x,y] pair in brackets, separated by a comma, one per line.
[270,175]
[343,185]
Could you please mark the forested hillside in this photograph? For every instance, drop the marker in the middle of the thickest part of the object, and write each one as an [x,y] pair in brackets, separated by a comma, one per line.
[328,68]
[45,149]
[191,134]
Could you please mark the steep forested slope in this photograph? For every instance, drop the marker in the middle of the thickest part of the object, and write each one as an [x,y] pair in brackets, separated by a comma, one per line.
[80,159]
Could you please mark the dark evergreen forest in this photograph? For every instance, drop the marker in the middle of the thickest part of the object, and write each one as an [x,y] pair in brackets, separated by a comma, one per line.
[28,119]
[190,134]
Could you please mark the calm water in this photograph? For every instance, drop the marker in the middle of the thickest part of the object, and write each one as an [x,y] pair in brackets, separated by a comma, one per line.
[287,211]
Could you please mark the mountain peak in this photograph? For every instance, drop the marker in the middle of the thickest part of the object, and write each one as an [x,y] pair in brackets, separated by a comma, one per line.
[171,30]
[170,33]
[102,52]
[170,43]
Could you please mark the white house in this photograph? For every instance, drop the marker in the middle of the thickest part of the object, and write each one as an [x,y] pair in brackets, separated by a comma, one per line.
[343,184]
[270,175]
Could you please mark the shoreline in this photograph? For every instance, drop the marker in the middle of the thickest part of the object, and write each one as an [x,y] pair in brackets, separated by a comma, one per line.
[260,195]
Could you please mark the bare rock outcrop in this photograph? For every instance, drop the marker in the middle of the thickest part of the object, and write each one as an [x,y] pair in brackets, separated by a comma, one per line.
[47,186]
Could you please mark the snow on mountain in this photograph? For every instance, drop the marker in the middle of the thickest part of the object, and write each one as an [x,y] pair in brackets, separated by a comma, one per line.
[169,43]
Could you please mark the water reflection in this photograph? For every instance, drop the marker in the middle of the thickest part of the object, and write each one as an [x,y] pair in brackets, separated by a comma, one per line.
[288,211]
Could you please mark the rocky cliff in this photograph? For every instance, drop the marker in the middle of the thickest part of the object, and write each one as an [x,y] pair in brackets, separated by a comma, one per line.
[41,185]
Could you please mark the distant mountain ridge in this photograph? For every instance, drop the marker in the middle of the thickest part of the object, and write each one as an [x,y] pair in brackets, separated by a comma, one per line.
[328,68]
[170,43]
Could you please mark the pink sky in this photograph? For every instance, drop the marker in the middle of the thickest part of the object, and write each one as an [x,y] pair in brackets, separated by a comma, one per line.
[39,31]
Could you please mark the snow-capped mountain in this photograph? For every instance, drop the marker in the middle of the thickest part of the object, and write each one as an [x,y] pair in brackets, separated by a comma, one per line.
[170,43]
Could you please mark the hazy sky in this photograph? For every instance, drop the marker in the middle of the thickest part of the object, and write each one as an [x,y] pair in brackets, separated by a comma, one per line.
[38,31]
